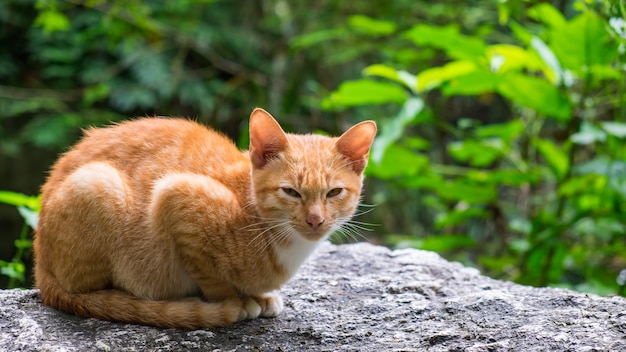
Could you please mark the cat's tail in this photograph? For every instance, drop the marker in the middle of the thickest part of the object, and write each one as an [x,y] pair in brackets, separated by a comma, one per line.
[119,306]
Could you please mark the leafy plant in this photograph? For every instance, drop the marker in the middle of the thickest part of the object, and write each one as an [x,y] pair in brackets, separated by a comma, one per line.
[28,208]
[542,185]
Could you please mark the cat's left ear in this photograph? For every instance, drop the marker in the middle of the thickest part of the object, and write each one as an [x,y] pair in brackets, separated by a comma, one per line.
[355,144]
[267,138]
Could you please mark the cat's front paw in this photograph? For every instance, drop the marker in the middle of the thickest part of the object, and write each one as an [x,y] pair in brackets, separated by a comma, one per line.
[251,308]
[271,304]
[239,309]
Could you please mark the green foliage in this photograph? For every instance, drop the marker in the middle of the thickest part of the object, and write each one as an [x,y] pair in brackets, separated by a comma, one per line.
[501,123]
[67,65]
[541,189]
[28,208]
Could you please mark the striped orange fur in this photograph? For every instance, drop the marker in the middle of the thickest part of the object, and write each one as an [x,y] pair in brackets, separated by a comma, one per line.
[165,222]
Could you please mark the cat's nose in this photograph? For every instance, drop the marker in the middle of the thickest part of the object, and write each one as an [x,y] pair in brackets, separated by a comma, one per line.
[314,221]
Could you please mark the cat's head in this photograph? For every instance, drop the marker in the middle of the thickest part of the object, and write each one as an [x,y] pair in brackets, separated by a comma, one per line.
[307,185]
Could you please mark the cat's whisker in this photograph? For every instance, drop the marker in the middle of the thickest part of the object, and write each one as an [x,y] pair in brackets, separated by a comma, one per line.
[268,229]
[277,234]
[355,223]
[367,205]
[363,212]
[260,225]
[355,232]
[351,229]
[348,233]
[363,223]
[277,238]
[282,237]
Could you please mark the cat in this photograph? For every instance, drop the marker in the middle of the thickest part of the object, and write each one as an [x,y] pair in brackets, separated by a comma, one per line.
[165,222]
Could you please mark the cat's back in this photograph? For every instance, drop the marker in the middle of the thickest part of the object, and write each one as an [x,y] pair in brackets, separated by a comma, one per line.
[146,148]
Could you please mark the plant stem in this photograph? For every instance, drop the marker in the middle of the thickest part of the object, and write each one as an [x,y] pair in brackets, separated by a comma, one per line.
[17,258]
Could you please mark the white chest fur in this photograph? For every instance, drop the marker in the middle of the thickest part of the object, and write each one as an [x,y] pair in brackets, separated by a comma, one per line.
[293,255]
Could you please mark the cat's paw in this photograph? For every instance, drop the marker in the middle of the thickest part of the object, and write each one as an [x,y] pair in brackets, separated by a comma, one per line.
[251,308]
[239,309]
[271,304]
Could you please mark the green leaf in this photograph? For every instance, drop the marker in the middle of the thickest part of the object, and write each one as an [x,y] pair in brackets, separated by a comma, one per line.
[400,76]
[523,226]
[52,131]
[364,92]
[16,107]
[505,57]
[399,241]
[20,200]
[523,34]
[433,77]
[604,72]
[617,129]
[535,93]
[613,170]
[534,264]
[52,21]
[605,227]
[311,39]
[459,217]
[448,38]
[507,131]
[393,129]
[470,193]
[588,134]
[498,264]
[197,93]
[476,153]
[509,177]
[474,83]
[578,185]
[13,270]
[547,14]
[504,12]
[152,70]
[418,143]
[398,162]
[96,93]
[554,155]
[30,216]
[555,270]
[23,243]
[554,72]
[370,26]
[447,243]
[430,181]
[129,97]
[583,42]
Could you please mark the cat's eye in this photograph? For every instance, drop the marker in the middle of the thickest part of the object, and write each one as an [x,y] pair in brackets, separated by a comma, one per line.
[334,192]
[292,192]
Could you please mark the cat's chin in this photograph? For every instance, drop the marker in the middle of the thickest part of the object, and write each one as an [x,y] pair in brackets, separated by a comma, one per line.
[314,236]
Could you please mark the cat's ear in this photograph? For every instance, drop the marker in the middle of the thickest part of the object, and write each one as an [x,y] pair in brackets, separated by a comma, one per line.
[355,144]
[267,138]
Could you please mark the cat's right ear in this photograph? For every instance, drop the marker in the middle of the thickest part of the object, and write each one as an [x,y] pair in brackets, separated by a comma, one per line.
[267,138]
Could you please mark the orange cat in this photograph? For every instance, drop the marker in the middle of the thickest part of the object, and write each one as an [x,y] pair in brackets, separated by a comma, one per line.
[165,222]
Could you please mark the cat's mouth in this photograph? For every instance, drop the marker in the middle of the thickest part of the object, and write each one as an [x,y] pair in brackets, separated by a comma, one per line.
[314,235]
[308,232]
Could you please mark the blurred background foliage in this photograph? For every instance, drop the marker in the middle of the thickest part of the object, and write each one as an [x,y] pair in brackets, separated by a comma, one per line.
[502,123]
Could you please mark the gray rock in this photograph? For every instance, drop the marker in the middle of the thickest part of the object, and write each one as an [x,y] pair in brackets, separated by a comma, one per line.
[356,298]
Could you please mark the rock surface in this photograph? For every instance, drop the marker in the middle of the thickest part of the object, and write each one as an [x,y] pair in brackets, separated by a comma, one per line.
[356,298]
